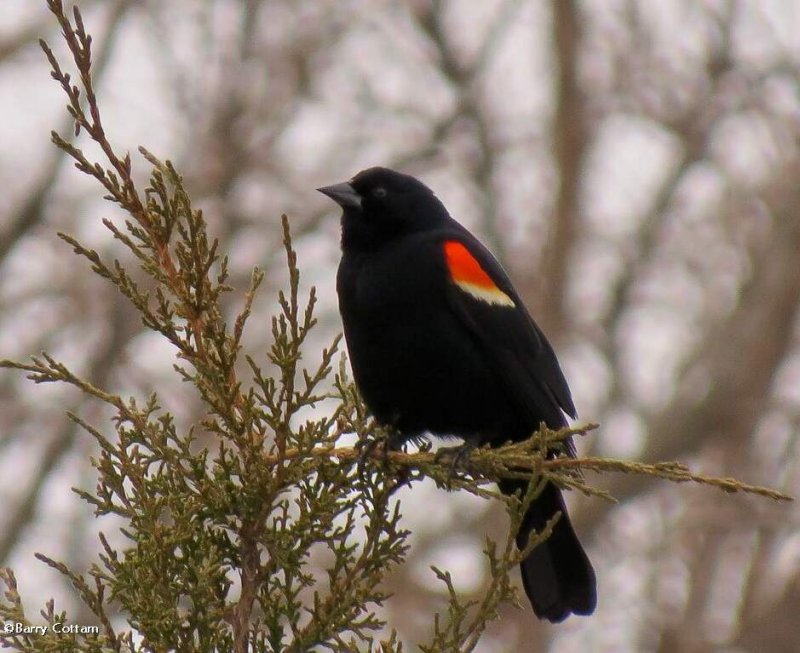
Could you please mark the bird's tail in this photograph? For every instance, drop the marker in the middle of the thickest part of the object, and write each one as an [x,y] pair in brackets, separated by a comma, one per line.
[557,575]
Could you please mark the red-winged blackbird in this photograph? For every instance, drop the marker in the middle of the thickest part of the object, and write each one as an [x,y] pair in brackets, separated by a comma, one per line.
[441,344]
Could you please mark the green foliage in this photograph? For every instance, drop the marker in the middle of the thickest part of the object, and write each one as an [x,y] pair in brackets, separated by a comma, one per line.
[224,520]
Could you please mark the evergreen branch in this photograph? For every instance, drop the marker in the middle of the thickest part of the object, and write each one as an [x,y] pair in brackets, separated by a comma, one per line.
[79,44]
[181,268]
[466,621]
[521,459]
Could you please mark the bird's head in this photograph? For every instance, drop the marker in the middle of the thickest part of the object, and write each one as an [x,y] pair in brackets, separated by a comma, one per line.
[380,204]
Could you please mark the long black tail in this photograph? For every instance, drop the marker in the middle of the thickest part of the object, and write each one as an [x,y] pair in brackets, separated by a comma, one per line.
[557,575]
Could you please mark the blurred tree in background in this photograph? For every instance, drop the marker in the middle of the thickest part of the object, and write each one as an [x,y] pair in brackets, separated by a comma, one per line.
[635,165]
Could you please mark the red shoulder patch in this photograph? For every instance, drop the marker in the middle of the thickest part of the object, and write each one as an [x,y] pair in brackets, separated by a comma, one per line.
[463,266]
[469,276]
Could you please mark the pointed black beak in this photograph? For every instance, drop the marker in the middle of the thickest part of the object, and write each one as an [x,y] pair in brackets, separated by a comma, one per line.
[343,194]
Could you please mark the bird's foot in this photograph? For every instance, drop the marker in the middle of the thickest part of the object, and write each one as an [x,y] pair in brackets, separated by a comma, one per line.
[456,456]
[369,448]
[378,448]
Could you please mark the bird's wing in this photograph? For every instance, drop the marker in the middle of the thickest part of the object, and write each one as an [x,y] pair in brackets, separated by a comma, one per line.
[481,295]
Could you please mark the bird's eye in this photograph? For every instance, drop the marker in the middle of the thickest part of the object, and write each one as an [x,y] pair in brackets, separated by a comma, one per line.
[379,192]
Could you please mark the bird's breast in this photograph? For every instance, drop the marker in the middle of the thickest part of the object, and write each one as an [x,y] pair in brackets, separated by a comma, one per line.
[415,363]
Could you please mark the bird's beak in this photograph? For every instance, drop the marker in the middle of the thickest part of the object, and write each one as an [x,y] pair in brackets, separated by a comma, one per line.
[343,194]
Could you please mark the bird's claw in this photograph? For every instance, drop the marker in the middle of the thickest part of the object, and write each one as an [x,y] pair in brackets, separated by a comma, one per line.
[378,448]
[366,447]
[456,456]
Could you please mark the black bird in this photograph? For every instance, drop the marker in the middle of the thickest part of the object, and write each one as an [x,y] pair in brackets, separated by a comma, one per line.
[441,343]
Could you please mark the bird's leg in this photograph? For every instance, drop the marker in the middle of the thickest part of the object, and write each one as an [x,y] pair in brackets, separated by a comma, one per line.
[456,456]
[379,447]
